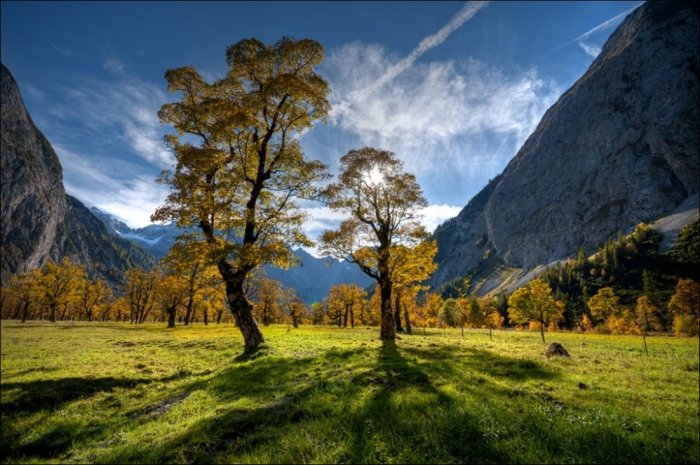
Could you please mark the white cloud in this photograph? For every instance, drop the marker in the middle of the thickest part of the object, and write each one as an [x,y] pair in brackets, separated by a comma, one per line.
[591,50]
[433,216]
[605,25]
[431,41]
[125,110]
[132,197]
[435,115]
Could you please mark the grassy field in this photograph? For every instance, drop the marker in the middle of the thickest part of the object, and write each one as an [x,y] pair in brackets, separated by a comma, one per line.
[95,392]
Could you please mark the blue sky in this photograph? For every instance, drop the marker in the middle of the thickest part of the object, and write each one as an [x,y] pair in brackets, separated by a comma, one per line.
[453,88]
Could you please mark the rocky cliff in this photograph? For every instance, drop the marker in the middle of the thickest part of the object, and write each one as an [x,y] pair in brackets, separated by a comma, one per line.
[619,147]
[39,221]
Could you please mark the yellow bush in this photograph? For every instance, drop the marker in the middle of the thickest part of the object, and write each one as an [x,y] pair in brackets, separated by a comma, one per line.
[496,320]
[621,325]
[586,325]
[534,326]
[686,325]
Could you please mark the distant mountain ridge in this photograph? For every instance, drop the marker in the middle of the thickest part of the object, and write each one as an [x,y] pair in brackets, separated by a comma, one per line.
[39,221]
[618,148]
[312,278]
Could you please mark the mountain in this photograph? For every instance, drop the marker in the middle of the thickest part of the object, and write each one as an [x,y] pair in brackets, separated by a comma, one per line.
[39,221]
[618,148]
[155,238]
[311,278]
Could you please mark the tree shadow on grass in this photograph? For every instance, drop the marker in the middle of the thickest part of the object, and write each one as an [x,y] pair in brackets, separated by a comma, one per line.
[401,407]
[35,396]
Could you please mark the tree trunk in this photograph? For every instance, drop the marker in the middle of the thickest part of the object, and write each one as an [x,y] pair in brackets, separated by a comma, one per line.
[295,323]
[242,312]
[388,330]
[172,311]
[345,317]
[644,337]
[205,314]
[397,311]
[352,317]
[52,314]
[218,316]
[25,311]
[542,331]
[190,304]
[407,320]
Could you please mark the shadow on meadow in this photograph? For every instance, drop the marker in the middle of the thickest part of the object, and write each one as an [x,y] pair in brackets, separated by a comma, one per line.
[392,411]
[369,405]
[49,395]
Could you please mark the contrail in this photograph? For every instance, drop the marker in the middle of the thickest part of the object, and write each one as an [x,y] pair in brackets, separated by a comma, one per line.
[600,27]
[433,40]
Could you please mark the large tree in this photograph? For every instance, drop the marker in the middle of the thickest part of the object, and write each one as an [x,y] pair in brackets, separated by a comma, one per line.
[239,166]
[383,202]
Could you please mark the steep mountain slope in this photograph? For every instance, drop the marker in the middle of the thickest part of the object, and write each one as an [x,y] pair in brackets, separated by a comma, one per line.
[619,147]
[39,221]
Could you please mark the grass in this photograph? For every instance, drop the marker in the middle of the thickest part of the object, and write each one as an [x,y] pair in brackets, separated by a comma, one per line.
[114,393]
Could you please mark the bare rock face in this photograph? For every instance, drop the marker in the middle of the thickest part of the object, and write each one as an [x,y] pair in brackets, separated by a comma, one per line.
[619,147]
[39,221]
[33,198]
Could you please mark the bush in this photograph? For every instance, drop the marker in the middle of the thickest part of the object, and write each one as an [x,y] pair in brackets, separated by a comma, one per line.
[686,325]
[534,326]
[621,325]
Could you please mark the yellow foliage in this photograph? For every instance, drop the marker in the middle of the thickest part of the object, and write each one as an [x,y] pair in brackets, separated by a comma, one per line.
[621,325]
[686,325]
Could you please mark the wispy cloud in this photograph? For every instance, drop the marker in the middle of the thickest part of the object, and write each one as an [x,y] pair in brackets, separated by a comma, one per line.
[123,111]
[132,196]
[113,65]
[65,52]
[431,41]
[444,113]
[591,50]
[604,26]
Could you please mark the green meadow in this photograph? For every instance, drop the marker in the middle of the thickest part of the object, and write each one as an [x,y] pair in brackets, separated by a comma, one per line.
[119,393]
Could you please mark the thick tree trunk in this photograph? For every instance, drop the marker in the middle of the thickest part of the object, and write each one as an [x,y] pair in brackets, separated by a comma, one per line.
[352,317]
[205,314]
[171,317]
[345,316]
[242,312]
[25,311]
[407,320]
[397,311]
[388,330]
[52,314]
[218,316]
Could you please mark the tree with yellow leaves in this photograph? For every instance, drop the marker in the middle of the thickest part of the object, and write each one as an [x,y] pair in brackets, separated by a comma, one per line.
[26,290]
[59,285]
[410,266]
[604,304]
[685,305]
[241,182]
[534,302]
[383,203]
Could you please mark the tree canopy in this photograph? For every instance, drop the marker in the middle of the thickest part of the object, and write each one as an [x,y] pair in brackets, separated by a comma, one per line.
[383,202]
[240,170]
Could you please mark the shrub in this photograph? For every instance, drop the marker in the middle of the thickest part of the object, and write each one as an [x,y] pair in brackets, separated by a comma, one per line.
[686,325]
